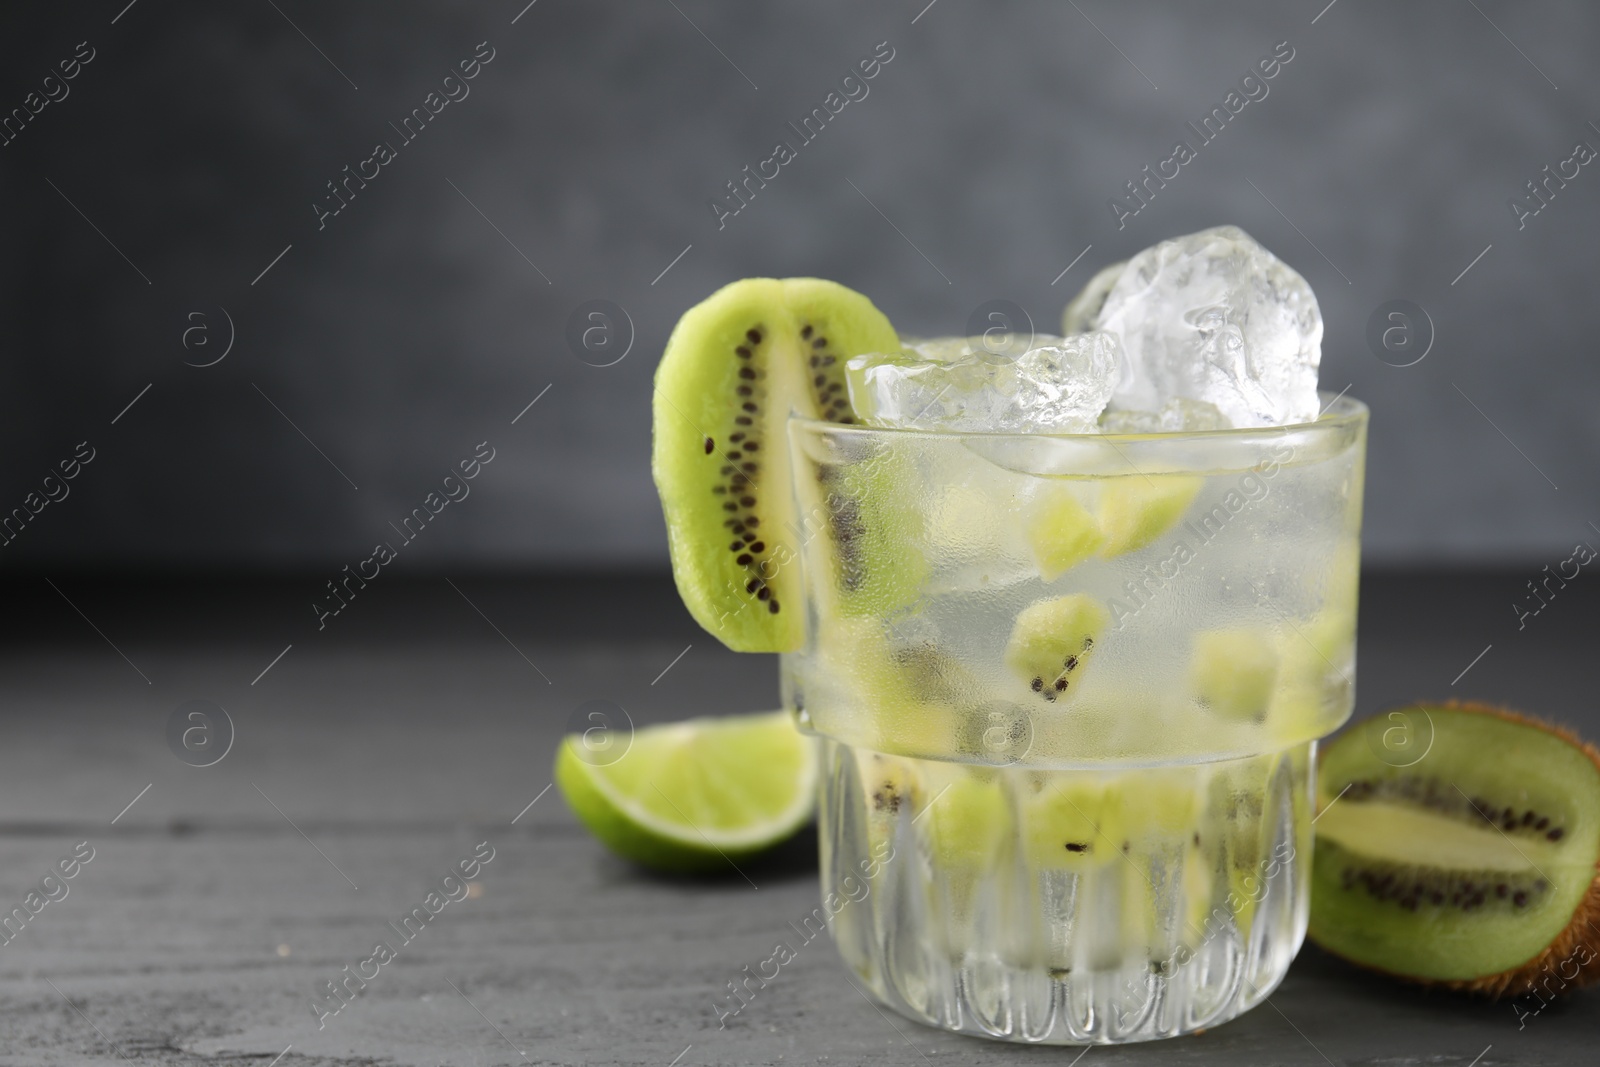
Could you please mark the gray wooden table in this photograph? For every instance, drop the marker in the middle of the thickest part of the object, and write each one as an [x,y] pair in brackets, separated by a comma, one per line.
[375,754]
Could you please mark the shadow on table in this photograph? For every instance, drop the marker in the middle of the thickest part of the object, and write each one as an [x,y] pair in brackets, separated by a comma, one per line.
[1357,985]
[793,860]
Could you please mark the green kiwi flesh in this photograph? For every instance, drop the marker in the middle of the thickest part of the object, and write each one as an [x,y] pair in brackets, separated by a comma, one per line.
[1472,867]
[866,507]
[1234,672]
[735,368]
[1052,642]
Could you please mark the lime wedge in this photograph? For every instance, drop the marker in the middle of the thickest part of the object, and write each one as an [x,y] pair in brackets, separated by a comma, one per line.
[694,795]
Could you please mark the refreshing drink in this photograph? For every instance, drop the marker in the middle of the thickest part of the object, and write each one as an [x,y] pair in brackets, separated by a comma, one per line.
[1067,615]
[1068,906]
[1070,688]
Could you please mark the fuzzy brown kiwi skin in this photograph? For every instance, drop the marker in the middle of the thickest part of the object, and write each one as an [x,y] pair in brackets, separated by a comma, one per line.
[1582,930]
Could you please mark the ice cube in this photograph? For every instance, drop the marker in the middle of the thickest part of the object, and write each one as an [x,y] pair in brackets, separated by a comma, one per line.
[1081,313]
[947,349]
[1058,385]
[1178,415]
[1215,317]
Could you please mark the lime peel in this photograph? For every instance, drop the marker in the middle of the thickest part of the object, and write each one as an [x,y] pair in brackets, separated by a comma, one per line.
[692,796]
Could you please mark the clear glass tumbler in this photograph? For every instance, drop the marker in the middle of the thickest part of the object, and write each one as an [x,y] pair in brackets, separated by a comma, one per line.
[1068,690]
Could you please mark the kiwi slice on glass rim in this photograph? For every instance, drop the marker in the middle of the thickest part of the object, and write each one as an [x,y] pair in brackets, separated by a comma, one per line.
[1457,846]
[735,368]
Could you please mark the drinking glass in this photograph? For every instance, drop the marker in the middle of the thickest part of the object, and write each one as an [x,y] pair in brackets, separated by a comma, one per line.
[1068,691]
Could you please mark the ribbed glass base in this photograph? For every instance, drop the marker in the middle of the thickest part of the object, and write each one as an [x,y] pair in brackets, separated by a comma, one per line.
[1066,907]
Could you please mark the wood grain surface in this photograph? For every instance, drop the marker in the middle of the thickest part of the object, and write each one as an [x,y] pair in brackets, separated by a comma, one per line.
[366,763]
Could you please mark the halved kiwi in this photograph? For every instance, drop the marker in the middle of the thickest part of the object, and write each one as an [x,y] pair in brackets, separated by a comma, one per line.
[1462,851]
[734,369]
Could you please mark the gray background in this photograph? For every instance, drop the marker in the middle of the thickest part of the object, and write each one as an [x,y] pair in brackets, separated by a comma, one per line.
[410,329]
